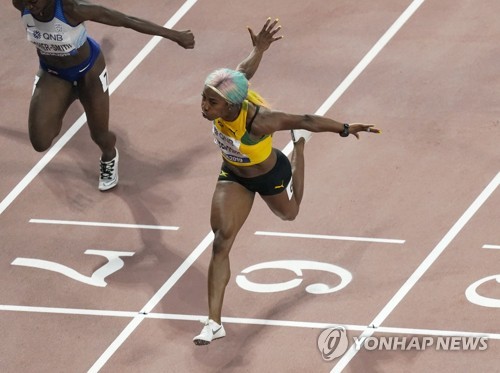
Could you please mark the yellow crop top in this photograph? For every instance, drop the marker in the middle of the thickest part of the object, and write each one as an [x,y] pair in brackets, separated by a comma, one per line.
[235,143]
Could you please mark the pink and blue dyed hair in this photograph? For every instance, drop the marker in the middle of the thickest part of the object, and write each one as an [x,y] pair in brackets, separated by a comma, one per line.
[231,84]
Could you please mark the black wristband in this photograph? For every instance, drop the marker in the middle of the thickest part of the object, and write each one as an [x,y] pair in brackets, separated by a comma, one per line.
[345,131]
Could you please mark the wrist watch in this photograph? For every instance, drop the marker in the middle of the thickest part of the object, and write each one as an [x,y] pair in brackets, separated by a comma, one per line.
[345,131]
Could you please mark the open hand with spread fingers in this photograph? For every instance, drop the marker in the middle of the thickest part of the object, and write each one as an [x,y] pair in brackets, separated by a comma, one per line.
[266,36]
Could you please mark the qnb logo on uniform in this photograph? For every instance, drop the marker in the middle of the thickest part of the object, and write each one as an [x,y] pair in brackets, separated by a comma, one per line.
[333,342]
[52,37]
[47,36]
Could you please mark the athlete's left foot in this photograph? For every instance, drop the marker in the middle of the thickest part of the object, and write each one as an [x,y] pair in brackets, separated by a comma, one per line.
[108,173]
[210,332]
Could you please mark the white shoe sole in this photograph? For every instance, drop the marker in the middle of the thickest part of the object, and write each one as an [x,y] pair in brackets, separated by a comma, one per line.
[301,134]
[103,188]
[202,342]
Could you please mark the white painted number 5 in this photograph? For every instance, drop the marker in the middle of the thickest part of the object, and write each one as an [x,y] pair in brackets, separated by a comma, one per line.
[295,266]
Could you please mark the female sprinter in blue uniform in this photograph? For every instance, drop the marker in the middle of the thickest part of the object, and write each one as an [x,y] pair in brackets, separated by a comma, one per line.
[243,127]
[72,66]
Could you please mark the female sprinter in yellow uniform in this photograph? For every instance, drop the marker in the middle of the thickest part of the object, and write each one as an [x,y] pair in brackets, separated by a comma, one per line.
[243,127]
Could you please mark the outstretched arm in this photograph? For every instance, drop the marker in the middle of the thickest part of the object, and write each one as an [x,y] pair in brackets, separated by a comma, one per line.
[82,10]
[261,43]
[270,121]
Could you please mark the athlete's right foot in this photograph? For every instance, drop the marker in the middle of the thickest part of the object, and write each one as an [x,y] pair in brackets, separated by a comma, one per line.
[300,134]
[210,332]
[108,173]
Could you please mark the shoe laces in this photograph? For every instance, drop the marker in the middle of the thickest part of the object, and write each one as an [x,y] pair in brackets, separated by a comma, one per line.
[107,169]
[206,322]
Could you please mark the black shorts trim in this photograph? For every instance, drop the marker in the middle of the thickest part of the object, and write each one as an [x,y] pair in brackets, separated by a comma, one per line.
[271,183]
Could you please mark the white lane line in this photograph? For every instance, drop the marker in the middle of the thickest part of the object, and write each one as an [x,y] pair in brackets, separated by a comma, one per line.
[494,247]
[365,61]
[327,237]
[63,140]
[138,318]
[150,45]
[436,332]
[287,150]
[48,156]
[66,311]
[97,224]
[247,321]
[422,268]
[252,321]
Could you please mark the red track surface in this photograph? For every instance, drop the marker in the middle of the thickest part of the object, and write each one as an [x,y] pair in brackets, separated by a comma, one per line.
[432,90]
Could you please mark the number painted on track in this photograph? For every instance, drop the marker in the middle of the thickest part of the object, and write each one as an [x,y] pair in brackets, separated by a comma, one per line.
[473,296]
[295,266]
[97,279]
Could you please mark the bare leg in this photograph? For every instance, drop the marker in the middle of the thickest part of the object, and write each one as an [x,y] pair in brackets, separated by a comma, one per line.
[231,205]
[282,206]
[94,96]
[298,171]
[50,101]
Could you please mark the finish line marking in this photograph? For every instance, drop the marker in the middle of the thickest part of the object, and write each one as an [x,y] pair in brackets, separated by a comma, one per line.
[245,321]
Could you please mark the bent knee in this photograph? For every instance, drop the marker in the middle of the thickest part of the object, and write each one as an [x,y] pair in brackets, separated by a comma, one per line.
[40,145]
[289,215]
[42,134]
